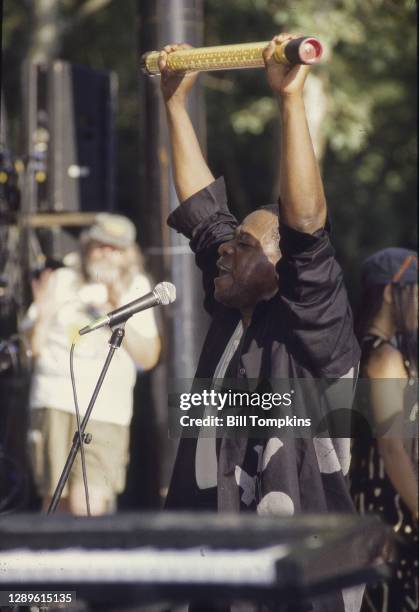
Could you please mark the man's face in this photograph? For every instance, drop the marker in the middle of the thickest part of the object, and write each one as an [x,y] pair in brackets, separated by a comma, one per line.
[104,263]
[247,263]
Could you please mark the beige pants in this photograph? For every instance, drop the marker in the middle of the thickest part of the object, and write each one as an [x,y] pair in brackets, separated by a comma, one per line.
[50,439]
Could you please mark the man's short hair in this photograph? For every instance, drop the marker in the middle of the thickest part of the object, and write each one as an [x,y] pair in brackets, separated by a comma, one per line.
[272,235]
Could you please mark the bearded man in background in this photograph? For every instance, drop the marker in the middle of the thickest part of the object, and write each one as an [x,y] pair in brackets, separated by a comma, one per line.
[107,274]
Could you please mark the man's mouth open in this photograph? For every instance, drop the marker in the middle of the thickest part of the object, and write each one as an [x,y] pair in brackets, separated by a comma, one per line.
[222,270]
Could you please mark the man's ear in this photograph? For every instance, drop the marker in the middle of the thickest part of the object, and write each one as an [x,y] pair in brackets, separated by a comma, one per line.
[387,295]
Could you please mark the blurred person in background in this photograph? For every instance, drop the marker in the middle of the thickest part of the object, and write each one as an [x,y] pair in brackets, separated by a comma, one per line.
[108,273]
[384,470]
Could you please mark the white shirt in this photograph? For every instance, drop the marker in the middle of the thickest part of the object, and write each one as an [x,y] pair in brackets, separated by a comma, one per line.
[76,305]
[206,455]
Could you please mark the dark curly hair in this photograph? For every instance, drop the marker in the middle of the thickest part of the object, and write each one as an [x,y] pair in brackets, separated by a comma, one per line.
[403,298]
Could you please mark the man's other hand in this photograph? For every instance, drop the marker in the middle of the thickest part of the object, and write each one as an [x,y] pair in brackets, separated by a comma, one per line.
[43,291]
[175,86]
[284,80]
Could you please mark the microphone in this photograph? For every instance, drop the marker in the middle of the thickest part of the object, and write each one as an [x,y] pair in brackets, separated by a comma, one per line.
[162,294]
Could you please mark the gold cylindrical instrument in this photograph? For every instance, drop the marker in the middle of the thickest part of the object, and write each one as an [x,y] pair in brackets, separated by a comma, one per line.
[306,50]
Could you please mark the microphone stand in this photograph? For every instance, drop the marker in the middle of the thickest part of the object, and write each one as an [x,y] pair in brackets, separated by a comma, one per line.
[114,343]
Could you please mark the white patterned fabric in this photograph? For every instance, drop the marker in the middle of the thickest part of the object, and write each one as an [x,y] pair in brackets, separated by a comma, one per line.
[206,457]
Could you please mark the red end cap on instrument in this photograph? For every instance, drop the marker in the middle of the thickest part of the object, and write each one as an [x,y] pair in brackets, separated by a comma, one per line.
[310,51]
[305,50]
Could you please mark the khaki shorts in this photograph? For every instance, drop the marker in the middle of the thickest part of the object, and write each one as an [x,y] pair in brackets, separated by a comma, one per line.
[50,439]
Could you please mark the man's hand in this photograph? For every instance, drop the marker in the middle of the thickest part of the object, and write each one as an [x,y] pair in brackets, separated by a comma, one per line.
[190,170]
[284,80]
[116,292]
[43,291]
[303,204]
[175,86]
[43,294]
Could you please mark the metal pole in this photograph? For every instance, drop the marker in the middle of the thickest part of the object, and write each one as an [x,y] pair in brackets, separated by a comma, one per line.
[169,256]
[183,22]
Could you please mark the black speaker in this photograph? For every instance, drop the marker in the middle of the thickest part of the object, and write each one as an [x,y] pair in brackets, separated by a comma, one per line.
[70,137]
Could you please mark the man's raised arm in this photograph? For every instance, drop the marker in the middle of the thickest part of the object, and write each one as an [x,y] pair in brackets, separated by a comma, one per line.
[190,170]
[303,204]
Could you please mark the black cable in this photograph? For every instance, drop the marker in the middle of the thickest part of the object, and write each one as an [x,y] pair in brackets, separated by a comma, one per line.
[81,441]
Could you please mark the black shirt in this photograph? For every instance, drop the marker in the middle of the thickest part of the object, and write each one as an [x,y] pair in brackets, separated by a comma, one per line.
[304,331]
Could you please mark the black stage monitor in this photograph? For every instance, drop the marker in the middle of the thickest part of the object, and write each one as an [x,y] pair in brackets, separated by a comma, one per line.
[70,137]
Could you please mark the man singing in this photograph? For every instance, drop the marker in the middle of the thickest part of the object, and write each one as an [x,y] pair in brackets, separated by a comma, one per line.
[279,311]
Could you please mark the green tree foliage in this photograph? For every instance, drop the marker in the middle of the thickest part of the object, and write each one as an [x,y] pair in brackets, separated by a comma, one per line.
[368,77]
[98,33]
[367,80]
